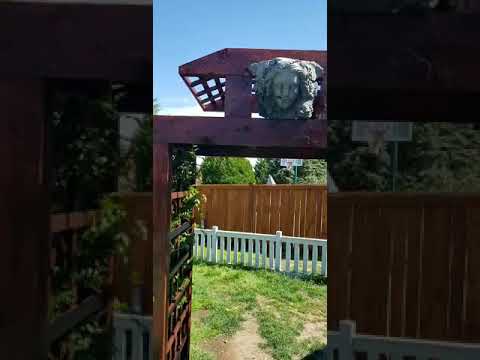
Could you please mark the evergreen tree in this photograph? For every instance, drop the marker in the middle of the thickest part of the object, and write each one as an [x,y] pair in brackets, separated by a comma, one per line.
[262,171]
[265,167]
[441,158]
[313,172]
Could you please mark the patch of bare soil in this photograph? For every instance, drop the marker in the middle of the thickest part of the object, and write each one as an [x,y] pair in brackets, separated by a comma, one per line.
[244,345]
[317,330]
[199,315]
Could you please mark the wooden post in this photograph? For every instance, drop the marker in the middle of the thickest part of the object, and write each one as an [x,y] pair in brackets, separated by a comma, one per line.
[347,332]
[161,247]
[214,243]
[278,251]
[24,220]
[238,91]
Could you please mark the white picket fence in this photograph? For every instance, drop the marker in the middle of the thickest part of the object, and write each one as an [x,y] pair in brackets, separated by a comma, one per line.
[132,337]
[342,345]
[248,249]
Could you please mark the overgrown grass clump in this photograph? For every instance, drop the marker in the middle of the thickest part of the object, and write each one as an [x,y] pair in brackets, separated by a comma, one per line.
[224,296]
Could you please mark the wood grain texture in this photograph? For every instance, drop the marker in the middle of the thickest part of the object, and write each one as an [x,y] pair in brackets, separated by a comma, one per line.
[24,220]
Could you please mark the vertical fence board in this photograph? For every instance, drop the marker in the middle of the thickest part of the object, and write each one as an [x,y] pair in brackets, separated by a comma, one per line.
[242,253]
[472,276]
[397,236]
[229,249]
[286,212]
[278,250]
[202,246]
[296,252]
[264,253]
[324,270]
[235,250]
[369,261]
[209,247]
[257,253]
[264,213]
[288,255]
[314,259]
[311,213]
[222,249]
[304,257]
[435,272]
[458,248]
[250,251]
[414,248]
[271,254]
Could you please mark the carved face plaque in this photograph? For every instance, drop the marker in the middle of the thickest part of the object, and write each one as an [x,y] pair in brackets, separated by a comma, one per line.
[285,88]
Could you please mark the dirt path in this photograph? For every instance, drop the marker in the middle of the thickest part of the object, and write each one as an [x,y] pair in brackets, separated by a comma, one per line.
[244,345]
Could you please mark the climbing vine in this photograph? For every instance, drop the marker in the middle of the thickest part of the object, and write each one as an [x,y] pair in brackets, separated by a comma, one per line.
[98,245]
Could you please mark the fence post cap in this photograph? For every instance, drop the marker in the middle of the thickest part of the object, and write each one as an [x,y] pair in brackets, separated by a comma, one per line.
[348,326]
[215,228]
[279,233]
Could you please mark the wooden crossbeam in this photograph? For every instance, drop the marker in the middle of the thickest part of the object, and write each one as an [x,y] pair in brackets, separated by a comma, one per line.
[235,61]
[240,132]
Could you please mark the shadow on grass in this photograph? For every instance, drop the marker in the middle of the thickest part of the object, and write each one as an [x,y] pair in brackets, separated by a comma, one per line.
[315,278]
[317,355]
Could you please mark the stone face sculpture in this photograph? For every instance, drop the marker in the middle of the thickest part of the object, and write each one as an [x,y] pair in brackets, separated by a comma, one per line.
[286,88]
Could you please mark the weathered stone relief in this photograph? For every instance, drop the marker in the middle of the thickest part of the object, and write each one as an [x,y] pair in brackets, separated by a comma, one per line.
[286,88]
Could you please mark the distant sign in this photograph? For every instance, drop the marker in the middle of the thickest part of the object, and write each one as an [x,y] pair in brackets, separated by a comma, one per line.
[289,163]
[364,131]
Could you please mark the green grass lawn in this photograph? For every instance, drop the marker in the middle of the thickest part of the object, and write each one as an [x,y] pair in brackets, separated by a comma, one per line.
[225,296]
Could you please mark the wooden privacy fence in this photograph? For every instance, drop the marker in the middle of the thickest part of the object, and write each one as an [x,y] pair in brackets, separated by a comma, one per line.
[262,251]
[405,265]
[346,344]
[296,210]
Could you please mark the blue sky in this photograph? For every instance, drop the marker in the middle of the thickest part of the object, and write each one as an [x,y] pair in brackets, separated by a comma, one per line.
[185,30]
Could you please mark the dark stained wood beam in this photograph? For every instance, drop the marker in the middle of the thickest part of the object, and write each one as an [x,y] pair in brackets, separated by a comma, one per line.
[263,152]
[242,132]
[161,247]
[403,67]
[235,61]
[24,220]
[75,41]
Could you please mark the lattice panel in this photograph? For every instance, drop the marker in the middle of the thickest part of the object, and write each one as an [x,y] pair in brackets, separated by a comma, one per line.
[209,92]
[180,303]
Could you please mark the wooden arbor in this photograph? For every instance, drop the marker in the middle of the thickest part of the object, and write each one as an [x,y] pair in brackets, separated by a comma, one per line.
[220,82]
[89,43]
